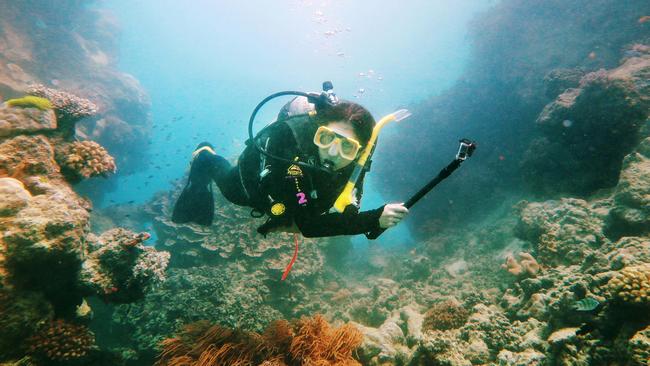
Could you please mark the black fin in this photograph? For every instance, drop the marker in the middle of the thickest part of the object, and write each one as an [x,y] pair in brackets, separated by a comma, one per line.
[195,204]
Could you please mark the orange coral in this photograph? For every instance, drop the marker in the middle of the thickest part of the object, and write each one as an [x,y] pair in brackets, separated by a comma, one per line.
[85,159]
[445,315]
[61,341]
[309,341]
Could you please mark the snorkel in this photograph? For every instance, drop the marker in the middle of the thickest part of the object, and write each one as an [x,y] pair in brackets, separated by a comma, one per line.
[345,198]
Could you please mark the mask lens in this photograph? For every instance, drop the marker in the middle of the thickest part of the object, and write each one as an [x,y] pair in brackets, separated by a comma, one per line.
[348,149]
[324,137]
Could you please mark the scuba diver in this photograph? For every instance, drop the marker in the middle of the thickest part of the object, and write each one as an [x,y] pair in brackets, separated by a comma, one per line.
[294,170]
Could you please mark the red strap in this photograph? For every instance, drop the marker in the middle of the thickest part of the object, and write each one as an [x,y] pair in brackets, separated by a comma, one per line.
[293,260]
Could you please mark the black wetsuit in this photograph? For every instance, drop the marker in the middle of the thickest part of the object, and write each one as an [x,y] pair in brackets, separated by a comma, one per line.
[285,192]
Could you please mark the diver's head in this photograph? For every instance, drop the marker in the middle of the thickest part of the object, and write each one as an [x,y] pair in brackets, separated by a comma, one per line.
[344,131]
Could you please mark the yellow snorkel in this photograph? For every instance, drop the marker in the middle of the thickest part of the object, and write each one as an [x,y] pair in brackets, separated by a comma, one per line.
[345,198]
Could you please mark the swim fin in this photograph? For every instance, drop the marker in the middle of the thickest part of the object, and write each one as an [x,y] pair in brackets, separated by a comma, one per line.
[196,201]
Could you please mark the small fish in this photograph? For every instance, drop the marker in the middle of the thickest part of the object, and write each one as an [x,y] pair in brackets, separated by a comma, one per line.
[131,201]
[586,304]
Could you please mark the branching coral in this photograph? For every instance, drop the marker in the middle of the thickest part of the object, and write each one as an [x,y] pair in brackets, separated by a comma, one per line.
[309,341]
[526,266]
[61,341]
[632,284]
[68,106]
[85,159]
[445,315]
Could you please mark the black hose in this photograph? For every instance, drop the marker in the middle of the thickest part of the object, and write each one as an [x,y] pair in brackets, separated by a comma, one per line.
[312,97]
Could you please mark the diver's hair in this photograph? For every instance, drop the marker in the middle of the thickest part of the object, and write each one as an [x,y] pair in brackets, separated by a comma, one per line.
[361,120]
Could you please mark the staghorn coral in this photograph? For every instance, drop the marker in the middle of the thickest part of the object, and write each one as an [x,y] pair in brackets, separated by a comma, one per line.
[68,107]
[632,284]
[84,159]
[308,341]
[526,266]
[31,102]
[61,341]
[445,315]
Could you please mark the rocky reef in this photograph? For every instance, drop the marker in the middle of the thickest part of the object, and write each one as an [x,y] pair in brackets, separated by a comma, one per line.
[51,49]
[524,55]
[49,261]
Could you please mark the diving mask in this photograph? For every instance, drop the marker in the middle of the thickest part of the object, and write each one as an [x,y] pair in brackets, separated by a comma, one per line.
[348,147]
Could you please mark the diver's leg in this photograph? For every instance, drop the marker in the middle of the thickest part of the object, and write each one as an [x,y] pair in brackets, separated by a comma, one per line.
[231,186]
[224,175]
[196,202]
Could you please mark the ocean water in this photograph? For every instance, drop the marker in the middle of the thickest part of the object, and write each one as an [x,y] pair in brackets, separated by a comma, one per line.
[533,251]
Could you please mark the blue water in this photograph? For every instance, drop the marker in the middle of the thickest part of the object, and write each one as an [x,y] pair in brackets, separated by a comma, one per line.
[206,64]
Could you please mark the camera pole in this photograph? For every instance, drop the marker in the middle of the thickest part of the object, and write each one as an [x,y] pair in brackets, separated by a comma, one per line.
[465,150]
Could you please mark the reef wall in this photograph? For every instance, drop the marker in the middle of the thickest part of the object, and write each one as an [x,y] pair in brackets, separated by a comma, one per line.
[69,45]
[49,261]
[523,55]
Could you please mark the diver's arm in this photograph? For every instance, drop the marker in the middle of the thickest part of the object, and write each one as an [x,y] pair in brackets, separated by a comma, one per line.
[332,224]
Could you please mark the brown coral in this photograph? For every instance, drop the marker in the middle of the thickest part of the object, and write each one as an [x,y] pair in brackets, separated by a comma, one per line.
[309,341]
[85,159]
[445,315]
[632,284]
[61,341]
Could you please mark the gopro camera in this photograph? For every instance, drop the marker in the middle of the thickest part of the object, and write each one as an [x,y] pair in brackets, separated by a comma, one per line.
[466,149]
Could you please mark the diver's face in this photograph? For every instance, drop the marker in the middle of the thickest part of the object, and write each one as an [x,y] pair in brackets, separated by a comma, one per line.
[332,154]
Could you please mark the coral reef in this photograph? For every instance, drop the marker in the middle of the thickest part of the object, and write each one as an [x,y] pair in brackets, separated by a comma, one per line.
[84,159]
[61,341]
[595,124]
[445,315]
[308,341]
[215,294]
[69,107]
[563,231]
[497,99]
[25,120]
[48,260]
[631,216]
[120,268]
[632,284]
[75,52]
[526,266]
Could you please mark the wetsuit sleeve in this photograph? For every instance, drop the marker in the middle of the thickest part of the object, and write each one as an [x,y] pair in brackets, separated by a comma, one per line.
[331,224]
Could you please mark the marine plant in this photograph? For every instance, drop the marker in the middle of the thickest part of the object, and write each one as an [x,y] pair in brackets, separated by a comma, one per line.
[308,341]
[30,101]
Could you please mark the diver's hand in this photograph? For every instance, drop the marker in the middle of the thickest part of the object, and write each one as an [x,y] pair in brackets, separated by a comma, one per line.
[392,215]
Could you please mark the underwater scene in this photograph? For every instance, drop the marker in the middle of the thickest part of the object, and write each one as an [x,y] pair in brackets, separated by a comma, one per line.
[324,182]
